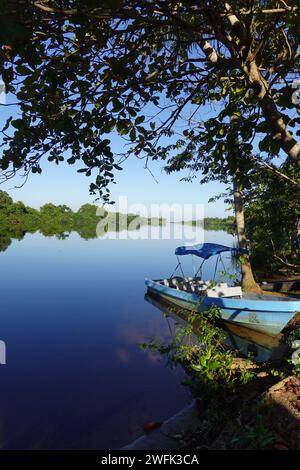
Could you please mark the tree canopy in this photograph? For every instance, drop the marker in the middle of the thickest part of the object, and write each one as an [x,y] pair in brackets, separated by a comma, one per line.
[149,70]
[273,221]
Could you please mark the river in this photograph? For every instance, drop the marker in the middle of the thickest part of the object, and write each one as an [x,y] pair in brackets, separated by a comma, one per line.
[73,315]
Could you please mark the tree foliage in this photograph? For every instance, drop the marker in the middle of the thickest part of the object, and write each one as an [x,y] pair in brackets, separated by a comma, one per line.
[273,221]
[17,219]
[148,70]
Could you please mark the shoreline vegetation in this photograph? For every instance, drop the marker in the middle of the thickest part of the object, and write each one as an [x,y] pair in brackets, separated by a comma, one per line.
[89,221]
[241,404]
[213,223]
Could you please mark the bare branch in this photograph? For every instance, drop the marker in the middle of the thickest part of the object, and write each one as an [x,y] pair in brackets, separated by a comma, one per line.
[209,52]
[275,170]
[284,262]
[268,11]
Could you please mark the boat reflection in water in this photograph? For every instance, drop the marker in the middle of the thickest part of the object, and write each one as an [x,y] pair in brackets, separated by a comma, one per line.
[249,343]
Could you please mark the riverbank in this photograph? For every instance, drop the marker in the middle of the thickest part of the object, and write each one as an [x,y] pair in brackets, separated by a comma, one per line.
[265,414]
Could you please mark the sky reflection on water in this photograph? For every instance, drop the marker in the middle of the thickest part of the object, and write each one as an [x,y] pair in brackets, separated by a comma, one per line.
[73,313]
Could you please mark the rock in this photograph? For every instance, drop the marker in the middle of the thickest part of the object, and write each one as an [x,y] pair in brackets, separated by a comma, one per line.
[184,422]
[171,435]
[154,441]
[282,412]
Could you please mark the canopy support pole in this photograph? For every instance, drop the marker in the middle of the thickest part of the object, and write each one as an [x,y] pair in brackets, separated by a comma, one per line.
[200,269]
[217,262]
[221,259]
[193,263]
[178,265]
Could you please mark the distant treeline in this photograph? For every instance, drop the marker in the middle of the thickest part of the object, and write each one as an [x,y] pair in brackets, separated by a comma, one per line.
[90,221]
[214,223]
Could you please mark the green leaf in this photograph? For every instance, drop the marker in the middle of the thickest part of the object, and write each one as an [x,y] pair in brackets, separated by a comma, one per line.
[72,112]
[131,111]
[117,167]
[18,124]
[139,120]
[264,144]
[117,105]
[132,135]
[23,70]
[36,169]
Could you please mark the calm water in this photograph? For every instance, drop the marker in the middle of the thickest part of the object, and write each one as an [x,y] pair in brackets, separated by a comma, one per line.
[72,316]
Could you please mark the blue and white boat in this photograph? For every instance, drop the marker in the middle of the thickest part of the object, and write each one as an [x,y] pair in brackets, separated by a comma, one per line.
[261,346]
[266,313]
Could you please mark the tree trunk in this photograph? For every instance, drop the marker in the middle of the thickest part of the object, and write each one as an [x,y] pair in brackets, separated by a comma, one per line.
[248,281]
[272,116]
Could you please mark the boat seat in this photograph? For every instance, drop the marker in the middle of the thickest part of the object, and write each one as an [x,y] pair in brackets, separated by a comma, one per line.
[195,285]
[177,282]
[222,291]
[203,287]
[199,287]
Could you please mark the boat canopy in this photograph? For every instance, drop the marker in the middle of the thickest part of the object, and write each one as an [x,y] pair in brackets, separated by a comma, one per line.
[204,250]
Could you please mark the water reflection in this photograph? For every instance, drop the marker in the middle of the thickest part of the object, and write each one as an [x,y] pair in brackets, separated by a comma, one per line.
[249,343]
[72,316]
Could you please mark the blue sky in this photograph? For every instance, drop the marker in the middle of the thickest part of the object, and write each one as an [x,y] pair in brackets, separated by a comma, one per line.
[61,184]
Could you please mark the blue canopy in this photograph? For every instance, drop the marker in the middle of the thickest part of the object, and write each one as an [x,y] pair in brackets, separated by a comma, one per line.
[204,250]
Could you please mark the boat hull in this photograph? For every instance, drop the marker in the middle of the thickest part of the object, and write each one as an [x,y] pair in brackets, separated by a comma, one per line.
[263,347]
[268,316]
